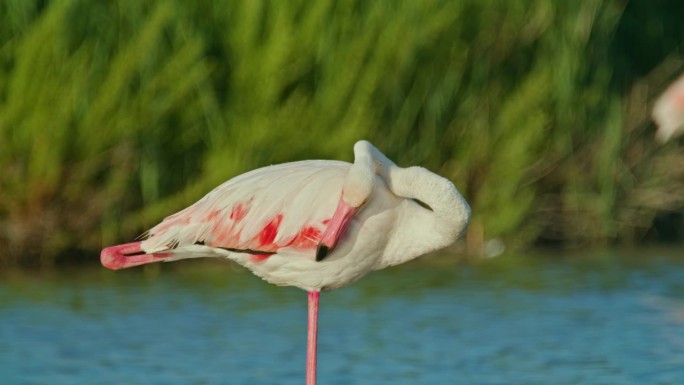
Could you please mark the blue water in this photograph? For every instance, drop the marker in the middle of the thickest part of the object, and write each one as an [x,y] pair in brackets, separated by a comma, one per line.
[611,319]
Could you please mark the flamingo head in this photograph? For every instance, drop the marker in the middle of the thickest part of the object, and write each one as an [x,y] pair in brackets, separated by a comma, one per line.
[668,112]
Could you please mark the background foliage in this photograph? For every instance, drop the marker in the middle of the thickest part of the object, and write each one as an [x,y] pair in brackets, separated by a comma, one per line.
[114,114]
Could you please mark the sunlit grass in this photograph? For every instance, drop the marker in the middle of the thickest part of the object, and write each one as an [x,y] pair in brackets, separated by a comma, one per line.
[116,114]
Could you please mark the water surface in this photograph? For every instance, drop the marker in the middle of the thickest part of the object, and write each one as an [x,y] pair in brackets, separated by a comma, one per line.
[613,318]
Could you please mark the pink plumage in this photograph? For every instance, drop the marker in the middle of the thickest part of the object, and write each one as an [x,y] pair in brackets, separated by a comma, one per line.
[316,224]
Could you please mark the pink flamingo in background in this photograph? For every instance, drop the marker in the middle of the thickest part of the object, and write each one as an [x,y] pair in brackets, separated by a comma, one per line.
[668,111]
[316,224]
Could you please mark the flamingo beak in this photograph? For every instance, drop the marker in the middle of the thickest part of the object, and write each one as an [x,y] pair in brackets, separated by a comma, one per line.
[336,228]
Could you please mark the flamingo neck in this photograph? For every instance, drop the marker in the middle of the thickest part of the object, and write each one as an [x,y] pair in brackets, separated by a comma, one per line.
[418,230]
[441,217]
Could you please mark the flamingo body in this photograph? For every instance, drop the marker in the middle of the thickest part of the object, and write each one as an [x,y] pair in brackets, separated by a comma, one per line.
[272,220]
[317,225]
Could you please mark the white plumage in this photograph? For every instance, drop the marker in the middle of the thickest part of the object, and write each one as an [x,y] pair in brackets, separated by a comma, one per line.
[304,194]
[668,111]
[316,224]
[273,219]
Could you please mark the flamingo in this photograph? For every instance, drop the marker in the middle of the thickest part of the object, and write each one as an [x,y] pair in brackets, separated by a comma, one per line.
[668,111]
[314,224]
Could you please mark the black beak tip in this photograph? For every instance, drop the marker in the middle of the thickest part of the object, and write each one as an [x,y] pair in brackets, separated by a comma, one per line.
[322,252]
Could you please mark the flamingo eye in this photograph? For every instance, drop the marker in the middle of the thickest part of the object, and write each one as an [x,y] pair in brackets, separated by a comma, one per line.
[422,204]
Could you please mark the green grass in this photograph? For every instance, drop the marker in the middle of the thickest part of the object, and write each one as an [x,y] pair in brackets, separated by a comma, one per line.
[115,114]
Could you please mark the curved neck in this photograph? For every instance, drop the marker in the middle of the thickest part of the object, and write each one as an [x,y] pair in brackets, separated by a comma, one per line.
[422,228]
[419,229]
[447,207]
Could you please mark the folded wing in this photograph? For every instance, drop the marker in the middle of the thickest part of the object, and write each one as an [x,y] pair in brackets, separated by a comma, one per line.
[262,211]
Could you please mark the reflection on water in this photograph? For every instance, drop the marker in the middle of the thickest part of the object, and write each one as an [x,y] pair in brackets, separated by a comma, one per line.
[612,319]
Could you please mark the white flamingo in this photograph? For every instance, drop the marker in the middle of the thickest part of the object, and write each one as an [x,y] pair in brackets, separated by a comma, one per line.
[315,224]
[668,111]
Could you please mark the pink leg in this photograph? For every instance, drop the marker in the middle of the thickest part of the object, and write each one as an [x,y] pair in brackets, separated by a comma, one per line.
[312,337]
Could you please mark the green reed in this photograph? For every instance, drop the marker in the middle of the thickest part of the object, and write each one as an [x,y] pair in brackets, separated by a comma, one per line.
[114,114]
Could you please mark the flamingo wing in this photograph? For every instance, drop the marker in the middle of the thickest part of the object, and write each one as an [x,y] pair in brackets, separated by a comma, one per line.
[260,212]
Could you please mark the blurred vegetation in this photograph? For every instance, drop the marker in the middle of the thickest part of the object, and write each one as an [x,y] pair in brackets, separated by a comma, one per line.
[114,114]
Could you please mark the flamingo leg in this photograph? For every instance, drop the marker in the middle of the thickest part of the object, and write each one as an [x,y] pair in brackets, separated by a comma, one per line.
[312,337]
